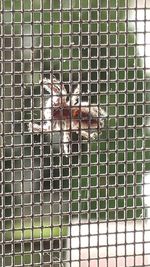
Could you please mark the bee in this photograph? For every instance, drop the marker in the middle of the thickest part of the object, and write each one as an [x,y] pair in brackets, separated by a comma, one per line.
[66,116]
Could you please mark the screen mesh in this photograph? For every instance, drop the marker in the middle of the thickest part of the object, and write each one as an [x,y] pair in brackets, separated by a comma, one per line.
[71,199]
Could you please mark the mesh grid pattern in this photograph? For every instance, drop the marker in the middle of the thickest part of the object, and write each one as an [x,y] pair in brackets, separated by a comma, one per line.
[91,207]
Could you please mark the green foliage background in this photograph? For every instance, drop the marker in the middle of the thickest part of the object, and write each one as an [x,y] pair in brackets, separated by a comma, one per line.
[87,40]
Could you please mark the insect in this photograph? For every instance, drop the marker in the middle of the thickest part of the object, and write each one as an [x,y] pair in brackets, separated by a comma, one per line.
[66,116]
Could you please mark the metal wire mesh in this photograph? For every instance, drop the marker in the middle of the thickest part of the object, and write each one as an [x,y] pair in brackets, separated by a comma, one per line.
[90,207]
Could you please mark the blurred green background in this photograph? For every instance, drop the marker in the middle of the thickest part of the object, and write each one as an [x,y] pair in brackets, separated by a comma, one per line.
[80,41]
